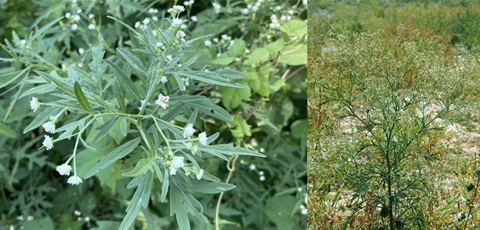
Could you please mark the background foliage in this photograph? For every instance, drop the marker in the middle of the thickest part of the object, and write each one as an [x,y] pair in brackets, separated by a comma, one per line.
[269,53]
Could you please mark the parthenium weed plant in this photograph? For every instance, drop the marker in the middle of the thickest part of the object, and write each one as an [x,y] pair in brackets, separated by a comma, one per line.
[148,123]
[391,94]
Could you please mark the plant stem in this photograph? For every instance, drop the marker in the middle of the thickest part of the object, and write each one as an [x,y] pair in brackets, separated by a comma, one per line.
[231,168]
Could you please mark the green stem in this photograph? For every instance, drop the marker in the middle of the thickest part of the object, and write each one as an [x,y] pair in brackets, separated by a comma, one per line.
[231,168]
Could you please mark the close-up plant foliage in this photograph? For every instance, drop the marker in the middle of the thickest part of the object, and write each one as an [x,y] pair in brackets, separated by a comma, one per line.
[153,114]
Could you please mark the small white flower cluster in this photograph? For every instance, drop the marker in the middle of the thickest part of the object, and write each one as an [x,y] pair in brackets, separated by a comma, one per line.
[162,101]
[275,24]
[226,40]
[49,127]
[79,218]
[74,18]
[253,8]
[189,3]
[303,209]
[217,7]
[178,162]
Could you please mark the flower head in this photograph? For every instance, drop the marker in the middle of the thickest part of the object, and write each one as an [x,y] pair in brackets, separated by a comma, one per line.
[162,101]
[177,163]
[188,132]
[202,138]
[74,180]
[200,174]
[48,142]
[49,127]
[64,169]
[34,104]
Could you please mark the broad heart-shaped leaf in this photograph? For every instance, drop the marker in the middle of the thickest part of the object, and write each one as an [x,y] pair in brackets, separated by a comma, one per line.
[258,56]
[279,210]
[241,128]
[294,28]
[113,156]
[231,97]
[82,100]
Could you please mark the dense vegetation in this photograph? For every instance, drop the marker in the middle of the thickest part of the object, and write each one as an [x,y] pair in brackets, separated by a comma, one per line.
[393,115]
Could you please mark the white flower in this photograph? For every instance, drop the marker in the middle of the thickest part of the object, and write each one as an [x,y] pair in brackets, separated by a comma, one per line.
[137,24]
[253,167]
[188,132]
[164,80]
[77,213]
[179,8]
[207,43]
[200,174]
[202,138]
[262,178]
[67,15]
[29,218]
[261,173]
[48,142]
[216,7]
[90,16]
[177,163]
[87,219]
[34,104]
[91,26]
[245,11]
[155,18]
[74,27]
[146,21]
[81,51]
[74,180]
[64,169]
[177,21]
[304,211]
[76,17]
[162,101]
[194,18]
[49,127]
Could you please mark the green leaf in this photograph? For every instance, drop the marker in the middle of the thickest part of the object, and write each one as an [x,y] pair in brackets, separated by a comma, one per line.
[43,117]
[113,156]
[206,187]
[224,59]
[231,98]
[237,48]
[106,225]
[279,210]
[7,131]
[296,55]
[141,168]
[295,28]
[299,129]
[228,149]
[45,223]
[241,128]
[258,56]
[133,61]
[275,47]
[82,100]
[124,81]
[208,77]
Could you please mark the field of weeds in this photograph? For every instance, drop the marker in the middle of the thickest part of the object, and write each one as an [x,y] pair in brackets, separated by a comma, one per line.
[393,98]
